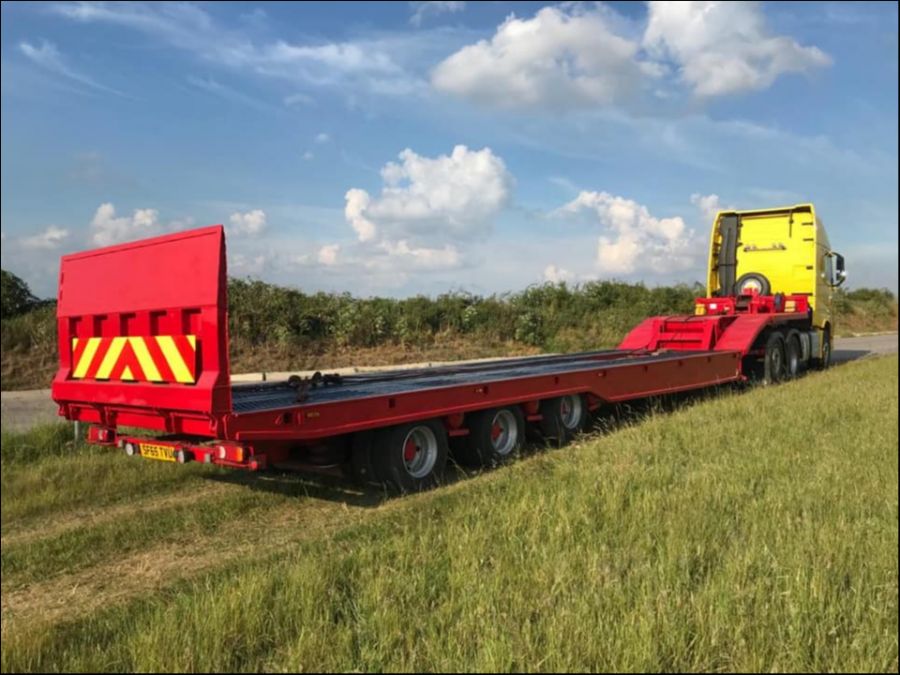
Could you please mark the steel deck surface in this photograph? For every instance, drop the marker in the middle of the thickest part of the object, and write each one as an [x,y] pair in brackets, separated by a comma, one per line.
[250,398]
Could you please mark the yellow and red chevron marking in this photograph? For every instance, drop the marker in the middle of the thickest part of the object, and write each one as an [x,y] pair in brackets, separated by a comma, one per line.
[158,358]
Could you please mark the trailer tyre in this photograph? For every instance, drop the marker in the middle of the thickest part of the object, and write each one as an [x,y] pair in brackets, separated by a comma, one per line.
[792,353]
[563,418]
[411,457]
[359,465]
[495,436]
[774,359]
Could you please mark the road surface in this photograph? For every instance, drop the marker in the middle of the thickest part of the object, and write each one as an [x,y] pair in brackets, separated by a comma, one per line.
[24,409]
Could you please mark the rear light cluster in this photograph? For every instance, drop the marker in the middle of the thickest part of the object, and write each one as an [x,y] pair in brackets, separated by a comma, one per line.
[231,453]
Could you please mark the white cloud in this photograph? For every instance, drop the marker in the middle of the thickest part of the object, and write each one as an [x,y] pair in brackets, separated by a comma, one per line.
[725,47]
[422,257]
[308,155]
[357,203]
[328,254]
[634,241]
[110,229]
[422,9]
[560,58]
[322,137]
[555,275]
[48,57]
[298,99]
[427,205]
[708,204]
[368,65]
[449,196]
[251,223]
[50,238]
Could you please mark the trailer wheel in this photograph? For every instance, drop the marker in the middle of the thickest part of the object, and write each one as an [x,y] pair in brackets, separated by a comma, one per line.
[359,465]
[792,353]
[495,436]
[411,457]
[774,359]
[562,418]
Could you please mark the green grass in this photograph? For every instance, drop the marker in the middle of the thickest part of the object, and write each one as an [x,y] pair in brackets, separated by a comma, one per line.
[752,531]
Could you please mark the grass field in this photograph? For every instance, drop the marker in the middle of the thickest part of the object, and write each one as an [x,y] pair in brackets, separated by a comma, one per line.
[751,530]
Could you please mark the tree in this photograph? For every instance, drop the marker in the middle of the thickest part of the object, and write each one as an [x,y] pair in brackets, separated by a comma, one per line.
[15,296]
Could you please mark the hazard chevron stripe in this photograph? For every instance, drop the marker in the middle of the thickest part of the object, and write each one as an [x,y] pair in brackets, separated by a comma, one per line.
[157,358]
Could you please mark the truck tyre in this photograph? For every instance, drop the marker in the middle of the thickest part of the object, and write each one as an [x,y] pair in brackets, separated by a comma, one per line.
[563,417]
[792,353]
[752,280]
[774,359]
[495,436]
[825,360]
[411,457]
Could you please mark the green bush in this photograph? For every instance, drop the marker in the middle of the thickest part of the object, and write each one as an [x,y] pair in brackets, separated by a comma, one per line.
[268,323]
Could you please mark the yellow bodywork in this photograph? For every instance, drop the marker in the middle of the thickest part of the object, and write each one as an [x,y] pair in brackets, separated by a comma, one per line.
[789,246]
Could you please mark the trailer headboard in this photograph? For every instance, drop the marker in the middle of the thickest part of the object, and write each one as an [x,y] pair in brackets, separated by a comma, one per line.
[145,325]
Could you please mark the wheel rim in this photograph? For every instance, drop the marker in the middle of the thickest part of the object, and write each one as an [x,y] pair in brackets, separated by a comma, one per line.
[420,451]
[504,432]
[777,364]
[793,361]
[570,411]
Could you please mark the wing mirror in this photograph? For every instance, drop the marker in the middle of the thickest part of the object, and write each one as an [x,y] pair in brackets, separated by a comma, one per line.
[840,271]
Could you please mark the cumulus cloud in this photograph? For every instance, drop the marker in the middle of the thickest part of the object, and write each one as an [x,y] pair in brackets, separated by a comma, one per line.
[725,47]
[322,137]
[354,211]
[708,205]
[107,228]
[328,254]
[634,240]
[50,238]
[423,257]
[559,58]
[250,224]
[555,275]
[433,7]
[428,204]
[451,195]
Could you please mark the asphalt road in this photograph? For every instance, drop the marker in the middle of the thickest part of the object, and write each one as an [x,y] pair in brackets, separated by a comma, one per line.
[24,409]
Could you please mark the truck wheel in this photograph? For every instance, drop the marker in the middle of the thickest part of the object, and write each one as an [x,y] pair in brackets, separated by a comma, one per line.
[495,436]
[563,417]
[774,359]
[825,360]
[792,353]
[411,457]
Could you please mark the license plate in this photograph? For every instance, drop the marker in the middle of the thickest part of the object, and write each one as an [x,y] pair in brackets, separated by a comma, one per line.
[162,452]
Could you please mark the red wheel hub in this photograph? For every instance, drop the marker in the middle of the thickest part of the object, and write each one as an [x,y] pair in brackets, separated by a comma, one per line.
[496,430]
[410,450]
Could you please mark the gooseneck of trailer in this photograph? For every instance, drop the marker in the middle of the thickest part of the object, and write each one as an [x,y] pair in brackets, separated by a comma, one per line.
[143,343]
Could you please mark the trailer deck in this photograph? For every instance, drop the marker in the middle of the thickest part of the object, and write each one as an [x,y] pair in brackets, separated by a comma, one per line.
[259,397]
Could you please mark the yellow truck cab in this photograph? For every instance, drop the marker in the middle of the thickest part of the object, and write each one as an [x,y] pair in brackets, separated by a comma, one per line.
[781,252]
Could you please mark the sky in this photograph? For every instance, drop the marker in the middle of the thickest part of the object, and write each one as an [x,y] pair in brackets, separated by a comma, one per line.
[424,147]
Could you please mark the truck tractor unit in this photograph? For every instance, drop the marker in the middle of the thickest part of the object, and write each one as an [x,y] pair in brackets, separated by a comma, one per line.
[143,344]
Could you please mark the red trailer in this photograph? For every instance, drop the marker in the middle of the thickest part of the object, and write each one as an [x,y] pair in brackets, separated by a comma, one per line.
[143,342]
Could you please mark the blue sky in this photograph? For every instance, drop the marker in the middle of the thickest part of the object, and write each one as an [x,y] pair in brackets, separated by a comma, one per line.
[406,148]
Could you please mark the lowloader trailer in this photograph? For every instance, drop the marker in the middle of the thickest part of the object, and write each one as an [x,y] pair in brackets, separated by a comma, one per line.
[143,342]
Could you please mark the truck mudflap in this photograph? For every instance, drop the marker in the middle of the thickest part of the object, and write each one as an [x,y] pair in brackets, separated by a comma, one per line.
[143,334]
